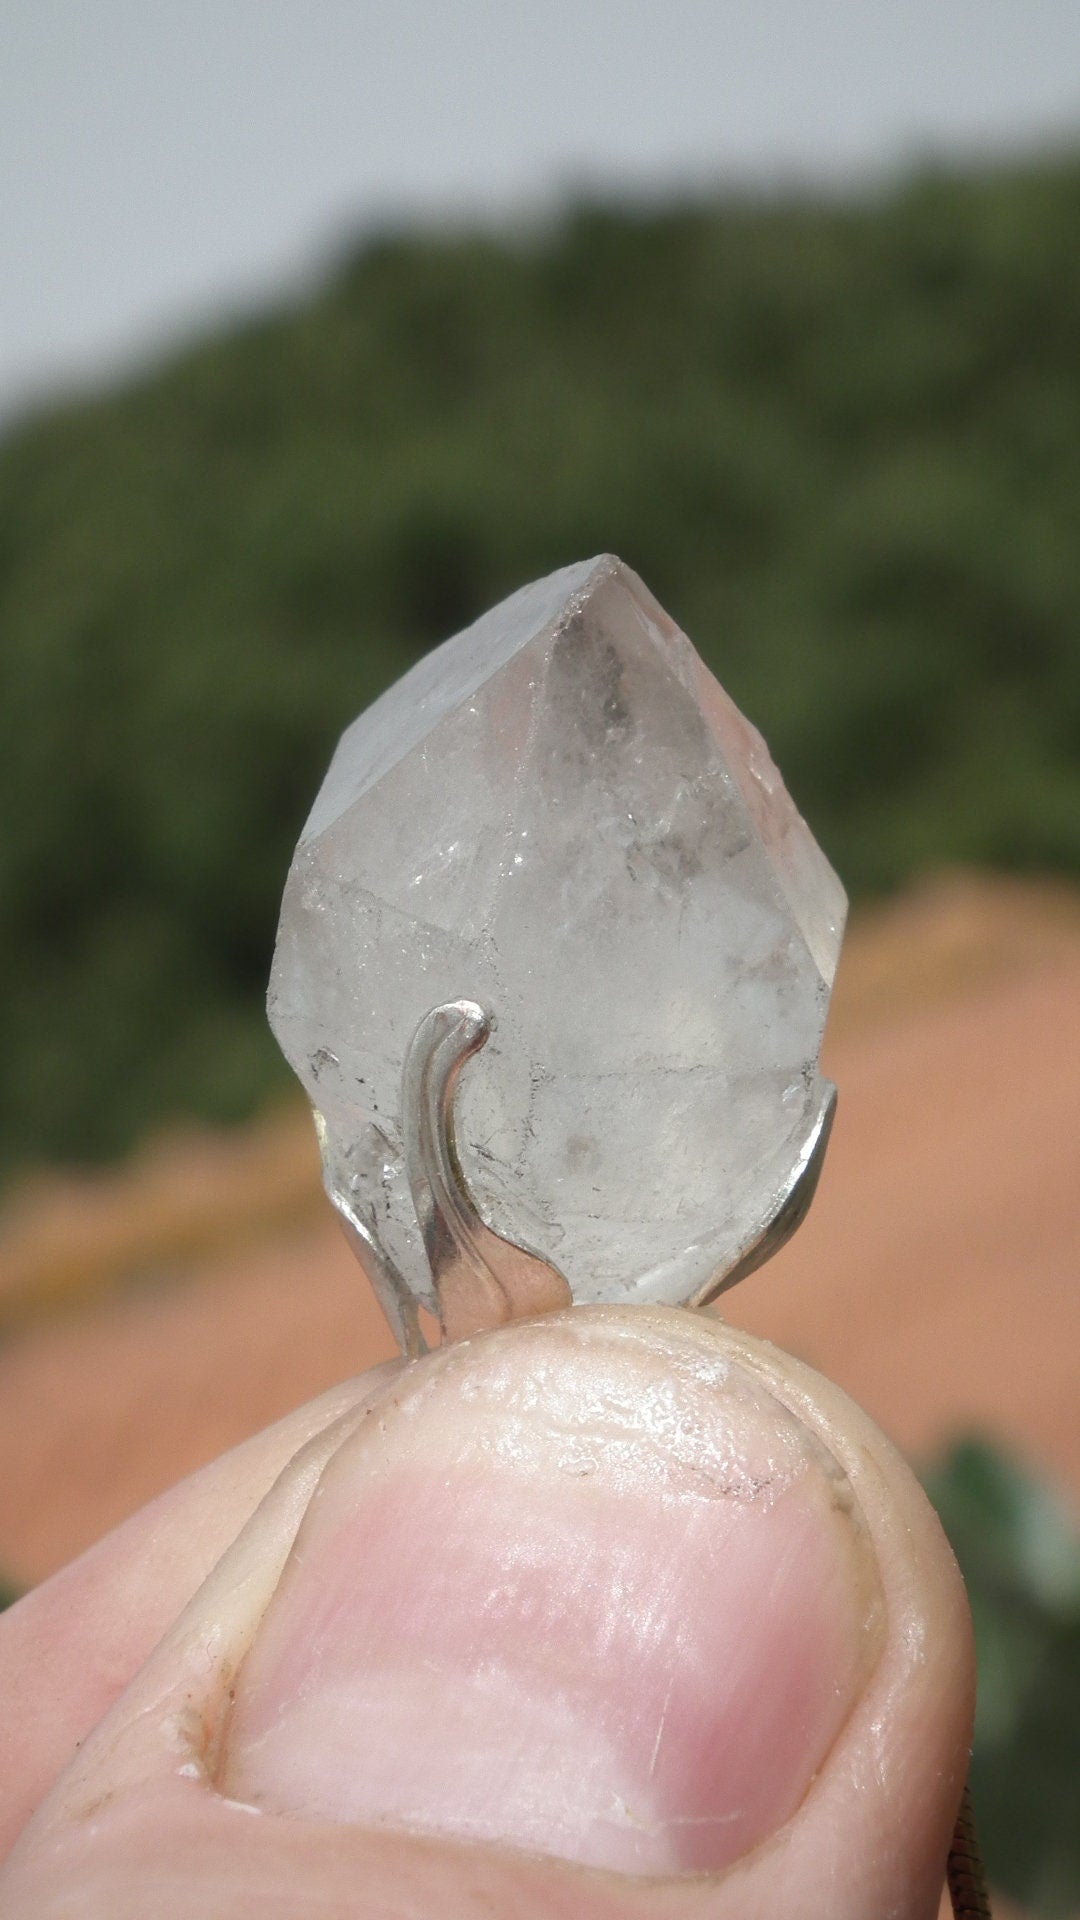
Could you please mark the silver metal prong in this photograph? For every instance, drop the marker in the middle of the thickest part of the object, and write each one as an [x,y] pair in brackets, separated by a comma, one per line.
[481,1279]
[393,1295]
[793,1205]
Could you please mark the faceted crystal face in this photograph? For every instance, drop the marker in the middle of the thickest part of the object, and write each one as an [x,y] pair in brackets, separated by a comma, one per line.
[560,815]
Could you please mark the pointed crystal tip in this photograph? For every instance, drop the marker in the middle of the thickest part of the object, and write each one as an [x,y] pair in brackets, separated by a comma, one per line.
[560,815]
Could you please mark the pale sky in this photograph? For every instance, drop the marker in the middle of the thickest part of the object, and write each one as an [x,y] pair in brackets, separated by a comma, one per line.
[165,161]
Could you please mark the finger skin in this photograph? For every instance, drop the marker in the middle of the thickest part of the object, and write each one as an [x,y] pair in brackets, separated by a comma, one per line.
[126,1832]
[69,1648]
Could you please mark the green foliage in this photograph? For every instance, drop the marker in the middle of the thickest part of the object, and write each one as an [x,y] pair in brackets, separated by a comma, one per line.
[842,445]
[1021,1559]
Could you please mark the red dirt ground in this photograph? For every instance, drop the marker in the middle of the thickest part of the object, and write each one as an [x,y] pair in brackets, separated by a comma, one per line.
[156,1314]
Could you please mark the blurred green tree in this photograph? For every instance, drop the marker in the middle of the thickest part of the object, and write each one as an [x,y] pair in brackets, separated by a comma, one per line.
[1020,1555]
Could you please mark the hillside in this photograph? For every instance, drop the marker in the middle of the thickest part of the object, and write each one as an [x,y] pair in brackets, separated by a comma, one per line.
[203,1288]
[842,444]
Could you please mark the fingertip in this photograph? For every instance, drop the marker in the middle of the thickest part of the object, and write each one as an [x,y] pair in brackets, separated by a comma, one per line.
[476,1607]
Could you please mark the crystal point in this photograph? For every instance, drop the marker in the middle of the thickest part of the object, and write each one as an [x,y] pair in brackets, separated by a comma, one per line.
[561,816]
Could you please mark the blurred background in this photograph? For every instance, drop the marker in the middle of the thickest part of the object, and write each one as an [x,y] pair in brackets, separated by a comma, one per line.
[323,326]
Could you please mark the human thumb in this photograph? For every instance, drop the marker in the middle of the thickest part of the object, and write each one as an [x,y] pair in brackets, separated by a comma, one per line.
[611,1613]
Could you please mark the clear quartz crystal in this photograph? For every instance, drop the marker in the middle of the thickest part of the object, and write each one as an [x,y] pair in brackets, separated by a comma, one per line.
[560,814]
